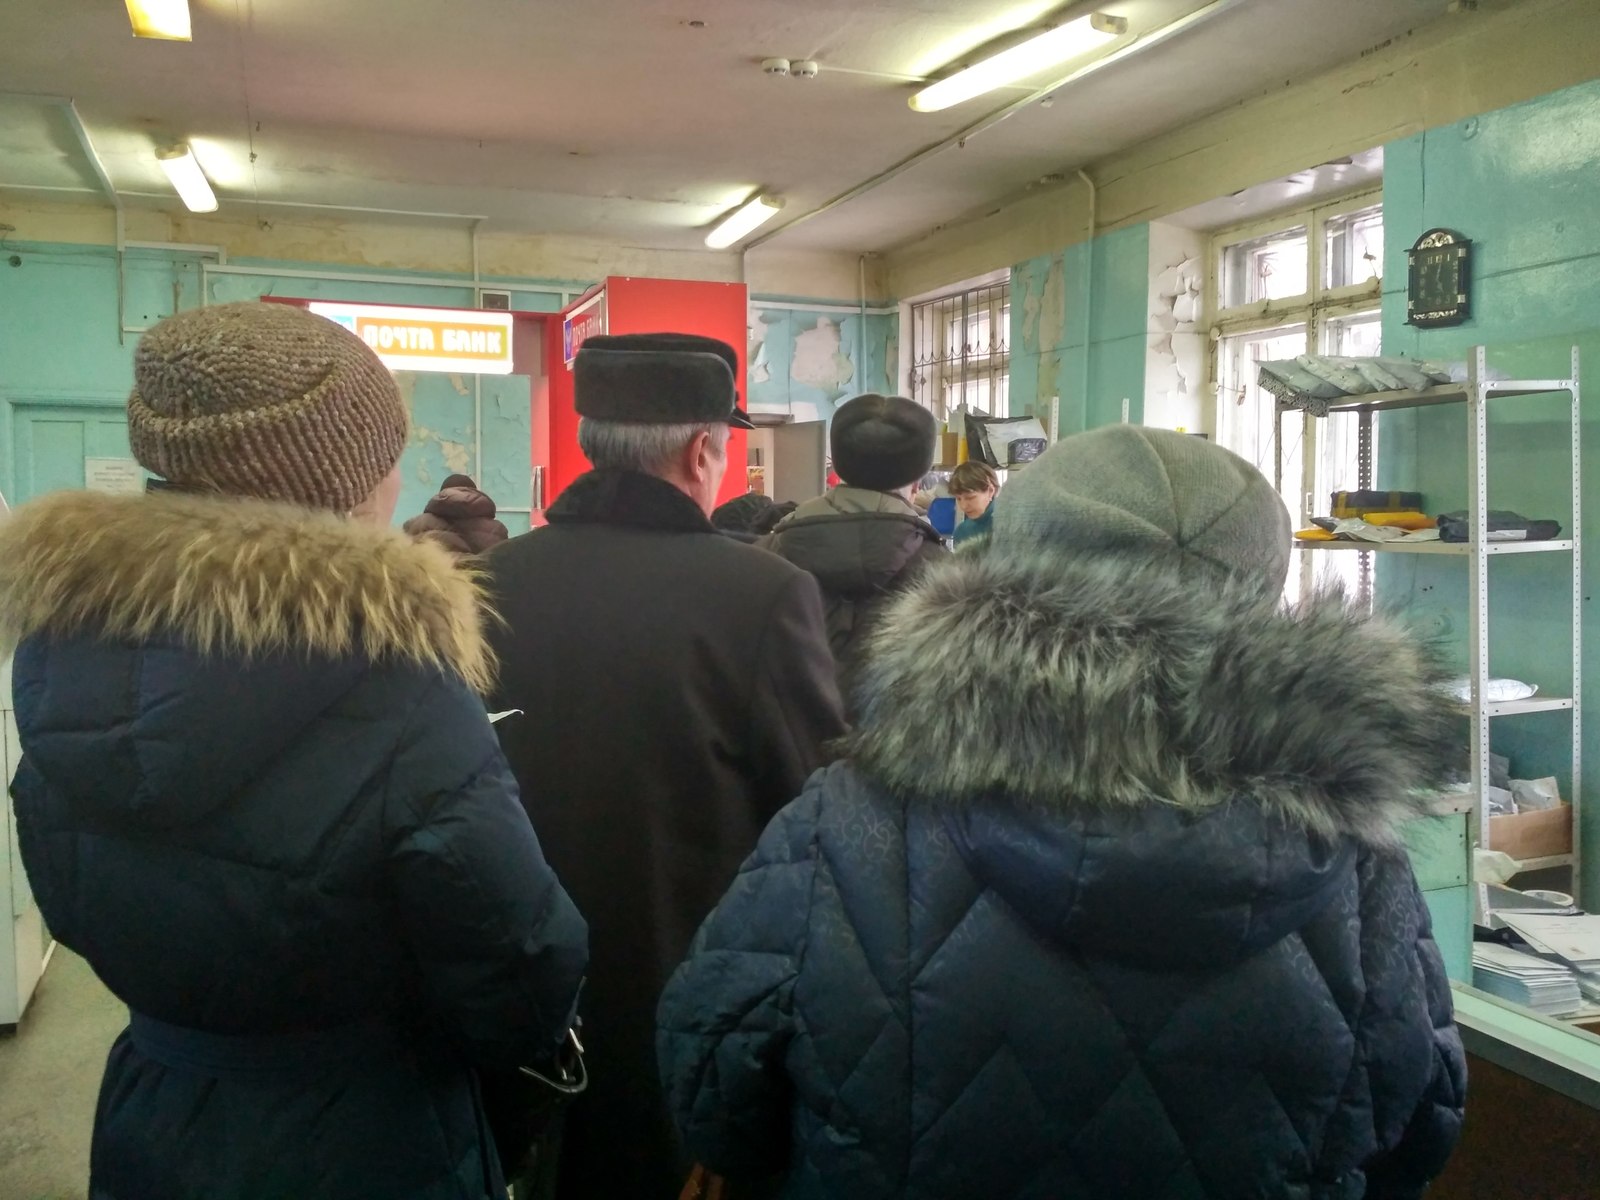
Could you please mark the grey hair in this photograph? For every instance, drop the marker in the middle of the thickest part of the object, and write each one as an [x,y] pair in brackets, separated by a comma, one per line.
[648,448]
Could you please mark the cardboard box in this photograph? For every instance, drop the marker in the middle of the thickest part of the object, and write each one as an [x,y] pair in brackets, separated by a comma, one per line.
[1534,834]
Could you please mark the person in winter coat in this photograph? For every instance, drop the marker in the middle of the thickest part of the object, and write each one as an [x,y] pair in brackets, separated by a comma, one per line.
[677,691]
[461,518]
[975,487]
[748,518]
[863,540]
[259,792]
[1107,899]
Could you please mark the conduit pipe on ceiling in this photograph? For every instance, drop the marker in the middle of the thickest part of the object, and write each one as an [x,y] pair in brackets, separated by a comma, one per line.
[477,380]
[861,326]
[1088,286]
[1141,43]
[98,169]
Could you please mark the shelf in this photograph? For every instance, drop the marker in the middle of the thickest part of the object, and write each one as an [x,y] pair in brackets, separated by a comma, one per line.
[1459,549]
[1452,803]
[1452,393]
[1535,704]
[1543,864]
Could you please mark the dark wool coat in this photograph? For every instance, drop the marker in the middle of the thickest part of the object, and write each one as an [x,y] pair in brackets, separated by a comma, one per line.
[863,547]
[260,797]
[1104,904]
[677,691]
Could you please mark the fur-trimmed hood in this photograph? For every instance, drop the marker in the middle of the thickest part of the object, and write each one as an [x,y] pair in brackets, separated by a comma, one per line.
[1093,684]
[237,578]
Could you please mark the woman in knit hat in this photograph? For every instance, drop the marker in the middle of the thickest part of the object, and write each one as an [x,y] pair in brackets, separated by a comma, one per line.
[461,518]
[1104,900]
[260,795]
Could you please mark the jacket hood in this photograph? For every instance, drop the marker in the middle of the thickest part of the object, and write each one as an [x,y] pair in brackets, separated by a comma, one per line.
[240,578]
[215,609]
[854,541]
[1141,766]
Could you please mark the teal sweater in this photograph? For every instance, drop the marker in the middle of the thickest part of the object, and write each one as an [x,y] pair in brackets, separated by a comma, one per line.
[977,527]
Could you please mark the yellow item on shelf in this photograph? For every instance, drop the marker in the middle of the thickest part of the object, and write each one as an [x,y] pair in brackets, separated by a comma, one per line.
[1362,504]
[1402,520]
[1313,535]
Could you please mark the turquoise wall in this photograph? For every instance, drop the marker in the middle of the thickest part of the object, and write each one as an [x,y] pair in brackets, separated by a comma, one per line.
[1524,184]
[65,376]
[806,361]
[1052,328]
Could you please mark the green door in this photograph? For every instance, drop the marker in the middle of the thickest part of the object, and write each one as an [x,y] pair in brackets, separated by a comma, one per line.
[51,442]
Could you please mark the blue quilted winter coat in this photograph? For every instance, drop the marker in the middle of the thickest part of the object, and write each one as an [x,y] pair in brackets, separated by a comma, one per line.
[260,797]
[1103,905]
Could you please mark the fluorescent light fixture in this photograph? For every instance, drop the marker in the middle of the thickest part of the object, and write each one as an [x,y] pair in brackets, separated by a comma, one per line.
[165,20]
[744,221]
[1048,49]
[192,186]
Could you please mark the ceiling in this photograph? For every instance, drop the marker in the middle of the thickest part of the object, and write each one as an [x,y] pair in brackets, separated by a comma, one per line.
[617,118]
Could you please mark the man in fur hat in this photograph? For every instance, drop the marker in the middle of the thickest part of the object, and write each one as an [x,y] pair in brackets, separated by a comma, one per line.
[676,691]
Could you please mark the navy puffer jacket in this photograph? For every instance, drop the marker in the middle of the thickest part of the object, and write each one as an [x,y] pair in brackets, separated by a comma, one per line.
[1103,904]
[260,797]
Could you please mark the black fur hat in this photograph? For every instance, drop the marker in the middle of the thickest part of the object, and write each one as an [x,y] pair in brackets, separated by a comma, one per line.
[883,442]
[659,379]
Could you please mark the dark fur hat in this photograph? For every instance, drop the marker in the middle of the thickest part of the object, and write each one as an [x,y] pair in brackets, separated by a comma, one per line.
[883,442]
[659,379]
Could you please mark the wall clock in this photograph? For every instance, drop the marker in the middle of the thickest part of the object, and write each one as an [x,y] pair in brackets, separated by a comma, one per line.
[1439,290]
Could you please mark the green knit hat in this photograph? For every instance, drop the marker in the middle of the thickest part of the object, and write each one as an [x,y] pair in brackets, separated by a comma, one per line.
[1152,495]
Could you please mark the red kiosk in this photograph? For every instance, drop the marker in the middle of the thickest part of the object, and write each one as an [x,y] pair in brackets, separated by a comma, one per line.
[626,305]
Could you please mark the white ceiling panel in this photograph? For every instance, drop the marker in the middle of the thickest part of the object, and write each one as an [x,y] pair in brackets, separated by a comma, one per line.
[615,118]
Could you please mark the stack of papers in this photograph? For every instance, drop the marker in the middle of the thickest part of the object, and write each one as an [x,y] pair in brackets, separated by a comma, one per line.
[1495,904]
[1575,940]
[1546,987]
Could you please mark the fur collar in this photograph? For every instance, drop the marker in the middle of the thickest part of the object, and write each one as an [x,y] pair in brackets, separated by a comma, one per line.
[1066,684]
[607,496]
[234,577]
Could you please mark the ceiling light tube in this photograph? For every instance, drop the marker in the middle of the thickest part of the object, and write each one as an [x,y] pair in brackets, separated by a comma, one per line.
[165,20]
[190,182]
[744,221]
[1050,48]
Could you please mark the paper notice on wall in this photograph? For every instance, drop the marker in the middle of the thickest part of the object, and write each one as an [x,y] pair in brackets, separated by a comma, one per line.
[120,476]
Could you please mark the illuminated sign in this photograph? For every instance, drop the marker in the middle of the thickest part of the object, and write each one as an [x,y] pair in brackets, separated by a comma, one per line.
[581,324]
[458,341]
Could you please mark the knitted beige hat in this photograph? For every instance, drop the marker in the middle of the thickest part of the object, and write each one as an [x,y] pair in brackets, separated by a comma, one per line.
[264,400]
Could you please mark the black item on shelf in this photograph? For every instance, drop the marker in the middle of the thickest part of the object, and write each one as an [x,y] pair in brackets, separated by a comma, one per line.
[1025,450]
[1005,442]
[1456,527]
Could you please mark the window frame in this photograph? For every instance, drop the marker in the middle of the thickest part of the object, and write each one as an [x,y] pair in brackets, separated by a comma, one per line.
[949,370]
[1315,309]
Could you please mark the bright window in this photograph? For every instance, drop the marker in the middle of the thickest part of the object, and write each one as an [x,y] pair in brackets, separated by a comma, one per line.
[1307,282]
[1269,268]
[961,353]
[1354,248]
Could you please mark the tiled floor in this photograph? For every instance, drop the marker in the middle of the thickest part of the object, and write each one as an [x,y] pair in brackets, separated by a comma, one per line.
[49,1077]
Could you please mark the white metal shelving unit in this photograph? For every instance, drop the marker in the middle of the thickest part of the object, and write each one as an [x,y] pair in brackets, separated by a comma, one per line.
[1478,393]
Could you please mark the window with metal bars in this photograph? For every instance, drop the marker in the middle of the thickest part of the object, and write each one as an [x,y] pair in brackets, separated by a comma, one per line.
[961,352]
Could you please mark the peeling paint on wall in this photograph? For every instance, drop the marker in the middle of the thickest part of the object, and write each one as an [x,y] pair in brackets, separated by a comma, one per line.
[803,362]
[1175,358]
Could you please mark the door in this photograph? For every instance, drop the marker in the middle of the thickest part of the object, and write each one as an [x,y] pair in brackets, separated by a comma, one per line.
[53,440]
[799,461]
